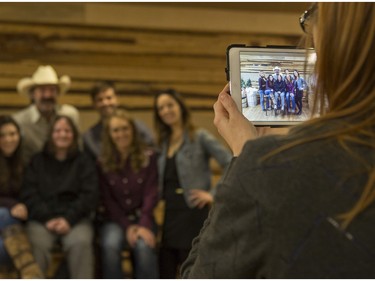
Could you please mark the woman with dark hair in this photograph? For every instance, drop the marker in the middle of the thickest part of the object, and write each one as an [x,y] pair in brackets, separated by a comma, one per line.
[279,93]
[60,190]
[289,93]
[302,205]
[299,86]
[14,245]
[270,88]
[262,86]
[184,177]
[129,194]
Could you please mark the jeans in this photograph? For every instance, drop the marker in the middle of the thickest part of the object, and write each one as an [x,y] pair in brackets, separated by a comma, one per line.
[263,94]
[288,97]
[6,219]
[282,96]
[112,238]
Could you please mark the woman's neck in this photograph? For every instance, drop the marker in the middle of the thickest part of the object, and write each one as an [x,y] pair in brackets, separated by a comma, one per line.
[61,154]
[177,133]
[175,140]
[124,153]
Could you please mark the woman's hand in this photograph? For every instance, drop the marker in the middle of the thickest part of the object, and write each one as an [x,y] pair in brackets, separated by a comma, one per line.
[19,211]
[131,234]
[134,232]
[58,225]
[147,236]
[200,198]
[231,123]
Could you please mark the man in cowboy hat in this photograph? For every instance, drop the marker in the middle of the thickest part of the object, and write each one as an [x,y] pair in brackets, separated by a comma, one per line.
[43,88]
[277,71]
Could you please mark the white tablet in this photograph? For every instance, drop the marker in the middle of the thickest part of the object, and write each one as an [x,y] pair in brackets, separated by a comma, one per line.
[271,86]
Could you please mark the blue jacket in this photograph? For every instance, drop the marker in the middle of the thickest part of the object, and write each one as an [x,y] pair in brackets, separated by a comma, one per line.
[193,161]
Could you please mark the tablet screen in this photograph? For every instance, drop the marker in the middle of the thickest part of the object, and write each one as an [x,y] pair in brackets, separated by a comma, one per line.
[273,86]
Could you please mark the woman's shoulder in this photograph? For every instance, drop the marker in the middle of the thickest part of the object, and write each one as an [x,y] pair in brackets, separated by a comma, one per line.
[203,133]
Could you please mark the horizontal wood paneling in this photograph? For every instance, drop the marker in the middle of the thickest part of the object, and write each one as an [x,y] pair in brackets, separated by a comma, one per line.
[143,47]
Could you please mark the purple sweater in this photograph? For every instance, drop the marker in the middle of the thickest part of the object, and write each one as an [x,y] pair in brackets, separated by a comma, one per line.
[126,192]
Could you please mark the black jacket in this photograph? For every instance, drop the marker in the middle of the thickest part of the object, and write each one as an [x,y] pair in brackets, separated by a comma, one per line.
[54,188]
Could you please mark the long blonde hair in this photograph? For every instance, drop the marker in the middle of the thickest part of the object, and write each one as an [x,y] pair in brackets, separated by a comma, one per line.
[345,85]
[110,158]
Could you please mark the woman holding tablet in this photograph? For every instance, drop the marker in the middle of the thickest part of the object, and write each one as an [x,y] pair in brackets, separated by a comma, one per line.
[302,205]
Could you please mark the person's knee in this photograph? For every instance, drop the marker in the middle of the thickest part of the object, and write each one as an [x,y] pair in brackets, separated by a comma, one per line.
[108,243]
[142,249]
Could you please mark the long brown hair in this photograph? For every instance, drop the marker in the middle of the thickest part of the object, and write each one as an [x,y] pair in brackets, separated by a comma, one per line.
[163,131]
[11,168]
[50,146]
[345,85]
[110,158]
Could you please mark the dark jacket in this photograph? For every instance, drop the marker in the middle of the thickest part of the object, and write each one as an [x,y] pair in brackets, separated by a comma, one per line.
[279,86]
[54,188]
[278,218]
[270,85]
[262,82]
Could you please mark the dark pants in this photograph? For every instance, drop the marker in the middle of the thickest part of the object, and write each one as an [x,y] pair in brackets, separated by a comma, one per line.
[299,95]
[170,262]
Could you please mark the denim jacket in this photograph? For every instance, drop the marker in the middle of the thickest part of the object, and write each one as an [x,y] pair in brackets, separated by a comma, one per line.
[192,161]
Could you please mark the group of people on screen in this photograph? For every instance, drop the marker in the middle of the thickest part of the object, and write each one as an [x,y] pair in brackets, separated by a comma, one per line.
[281,91]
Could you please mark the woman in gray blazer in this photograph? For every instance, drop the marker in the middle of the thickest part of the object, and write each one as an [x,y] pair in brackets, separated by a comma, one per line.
[302,205]
[184,177]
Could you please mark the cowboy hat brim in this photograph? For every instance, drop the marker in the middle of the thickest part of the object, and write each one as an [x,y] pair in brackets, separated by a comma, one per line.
[25,84]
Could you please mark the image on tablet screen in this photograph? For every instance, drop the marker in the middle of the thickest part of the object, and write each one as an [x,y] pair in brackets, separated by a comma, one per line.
[276,87]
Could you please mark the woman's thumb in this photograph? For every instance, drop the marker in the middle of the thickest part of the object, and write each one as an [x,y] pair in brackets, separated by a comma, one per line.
[228,103]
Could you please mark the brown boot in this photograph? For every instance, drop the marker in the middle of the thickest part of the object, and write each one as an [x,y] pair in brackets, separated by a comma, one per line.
[19,249]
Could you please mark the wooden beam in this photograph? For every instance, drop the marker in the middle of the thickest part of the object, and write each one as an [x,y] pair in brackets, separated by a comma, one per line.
[143,15]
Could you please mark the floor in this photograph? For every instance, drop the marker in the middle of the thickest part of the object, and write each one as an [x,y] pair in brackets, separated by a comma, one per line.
[256,114]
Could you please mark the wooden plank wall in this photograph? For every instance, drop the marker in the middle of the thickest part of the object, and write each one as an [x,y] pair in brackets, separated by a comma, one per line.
[143,47]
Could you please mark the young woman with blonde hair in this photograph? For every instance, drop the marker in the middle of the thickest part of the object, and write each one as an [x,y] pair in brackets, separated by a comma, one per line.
[129,193]
[302,205]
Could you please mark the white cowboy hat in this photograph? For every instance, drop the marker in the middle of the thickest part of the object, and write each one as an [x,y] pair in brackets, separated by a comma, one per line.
[276,67]
[44,75]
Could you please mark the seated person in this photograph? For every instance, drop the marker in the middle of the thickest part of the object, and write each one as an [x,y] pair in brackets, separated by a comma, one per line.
[129,193]
[60,190]
[14,245]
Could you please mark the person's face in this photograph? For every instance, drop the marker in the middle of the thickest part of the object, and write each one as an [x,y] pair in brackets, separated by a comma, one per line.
[277,71]
[45,98]
[62,134]
[261,74]
[9,139]
[121,133]
[286,72]
[295,73]
[106,102]
[168,109]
